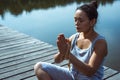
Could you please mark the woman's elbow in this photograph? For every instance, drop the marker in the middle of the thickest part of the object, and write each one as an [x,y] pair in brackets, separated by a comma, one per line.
[57,58]
[91,72]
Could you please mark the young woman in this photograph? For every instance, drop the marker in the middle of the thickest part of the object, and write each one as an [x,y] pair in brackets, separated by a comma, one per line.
[86,50]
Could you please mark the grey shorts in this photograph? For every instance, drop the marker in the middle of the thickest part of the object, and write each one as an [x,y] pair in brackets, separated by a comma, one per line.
[57,72]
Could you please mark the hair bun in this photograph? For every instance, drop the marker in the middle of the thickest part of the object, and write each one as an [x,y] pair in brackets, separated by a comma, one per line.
[94,4]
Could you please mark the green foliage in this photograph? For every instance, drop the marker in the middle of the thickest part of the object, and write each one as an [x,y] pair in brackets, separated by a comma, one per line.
[16,7]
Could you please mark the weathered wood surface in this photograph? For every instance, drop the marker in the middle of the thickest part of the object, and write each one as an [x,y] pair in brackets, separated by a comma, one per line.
[19,52]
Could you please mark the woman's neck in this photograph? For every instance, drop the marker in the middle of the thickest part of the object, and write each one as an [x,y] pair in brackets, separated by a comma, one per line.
[88,35]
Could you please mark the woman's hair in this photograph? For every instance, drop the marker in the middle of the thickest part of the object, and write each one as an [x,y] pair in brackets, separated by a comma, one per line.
[90,9]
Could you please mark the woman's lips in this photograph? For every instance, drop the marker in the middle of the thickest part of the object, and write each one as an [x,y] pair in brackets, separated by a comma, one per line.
[77,28]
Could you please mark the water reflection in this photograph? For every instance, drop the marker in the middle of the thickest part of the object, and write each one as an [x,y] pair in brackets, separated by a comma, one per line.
[16,7]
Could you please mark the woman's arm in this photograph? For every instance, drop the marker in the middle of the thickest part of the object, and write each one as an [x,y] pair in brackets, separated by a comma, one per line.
[58,57]
[63,47]
[62,44]
[100,51]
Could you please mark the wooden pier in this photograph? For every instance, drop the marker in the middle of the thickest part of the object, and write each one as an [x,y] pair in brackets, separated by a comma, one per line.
[19,52]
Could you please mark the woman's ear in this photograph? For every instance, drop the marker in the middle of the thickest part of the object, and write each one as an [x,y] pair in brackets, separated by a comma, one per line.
[92,22]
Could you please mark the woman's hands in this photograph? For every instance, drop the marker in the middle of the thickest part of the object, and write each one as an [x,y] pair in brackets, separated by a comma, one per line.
[63,46]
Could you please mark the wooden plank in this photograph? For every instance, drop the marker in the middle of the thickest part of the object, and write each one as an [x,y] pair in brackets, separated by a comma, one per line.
[31,78]
[16,61]
[105,68]
[4,41]
[22,46]
[115,77]
[13,52]
[18,45]
[109,72]
[22,52]
[4,33]
[6,30]
[31,73]
[25,74]
[28,60]
[18,41]
[12,37]
[25,49]
[21,70]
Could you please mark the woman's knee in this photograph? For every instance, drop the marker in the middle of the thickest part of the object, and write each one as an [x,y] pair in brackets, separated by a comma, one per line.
[41,74]
[37,66]
[38,69]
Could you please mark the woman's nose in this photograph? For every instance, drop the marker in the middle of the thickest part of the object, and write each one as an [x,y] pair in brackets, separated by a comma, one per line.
[77,23]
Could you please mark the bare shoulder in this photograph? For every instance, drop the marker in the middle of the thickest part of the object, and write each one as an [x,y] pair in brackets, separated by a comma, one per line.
[72,37]
[103,41]
[101,47]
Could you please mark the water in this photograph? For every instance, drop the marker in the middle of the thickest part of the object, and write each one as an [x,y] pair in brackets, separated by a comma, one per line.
[46,22]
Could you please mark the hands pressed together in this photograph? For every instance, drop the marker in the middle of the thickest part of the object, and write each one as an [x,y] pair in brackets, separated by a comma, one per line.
[63,47]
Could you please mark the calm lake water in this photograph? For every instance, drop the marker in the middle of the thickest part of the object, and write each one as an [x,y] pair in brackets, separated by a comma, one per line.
[46,22]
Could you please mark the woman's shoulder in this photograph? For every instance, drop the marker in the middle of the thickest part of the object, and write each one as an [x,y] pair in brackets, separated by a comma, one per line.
[100,39]
[73,36]
[101,36]
[101,44]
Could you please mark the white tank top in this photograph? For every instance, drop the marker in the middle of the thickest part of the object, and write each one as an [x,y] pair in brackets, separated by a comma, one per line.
[84,56]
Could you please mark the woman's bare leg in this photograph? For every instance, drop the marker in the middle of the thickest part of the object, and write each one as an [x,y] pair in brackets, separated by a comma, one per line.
[41,75]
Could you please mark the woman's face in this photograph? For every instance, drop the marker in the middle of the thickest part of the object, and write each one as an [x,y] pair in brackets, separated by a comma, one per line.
[82,22]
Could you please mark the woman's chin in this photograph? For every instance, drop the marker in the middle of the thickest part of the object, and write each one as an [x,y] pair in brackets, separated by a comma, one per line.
[78,30]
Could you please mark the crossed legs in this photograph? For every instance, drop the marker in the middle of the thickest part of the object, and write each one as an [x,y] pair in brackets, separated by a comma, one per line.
[41,74]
